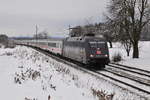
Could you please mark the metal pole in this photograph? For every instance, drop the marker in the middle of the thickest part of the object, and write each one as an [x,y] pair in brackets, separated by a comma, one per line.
[69,31]
[36,33]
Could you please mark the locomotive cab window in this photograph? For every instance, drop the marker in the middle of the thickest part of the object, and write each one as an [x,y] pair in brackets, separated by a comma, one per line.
[52,44]
[97,44]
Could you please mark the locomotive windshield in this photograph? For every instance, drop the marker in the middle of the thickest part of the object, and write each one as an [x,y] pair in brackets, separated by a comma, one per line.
[97,44]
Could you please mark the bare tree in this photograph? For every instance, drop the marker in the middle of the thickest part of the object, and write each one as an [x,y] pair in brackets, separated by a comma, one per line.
[109,32]
[41,35]
[4,39]
[125,41]
[146,33]
[130,16]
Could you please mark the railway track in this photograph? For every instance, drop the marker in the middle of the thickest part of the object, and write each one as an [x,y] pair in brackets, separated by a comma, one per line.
[140,90]
[139,84]
[128,76]
[111,72]
[138,71]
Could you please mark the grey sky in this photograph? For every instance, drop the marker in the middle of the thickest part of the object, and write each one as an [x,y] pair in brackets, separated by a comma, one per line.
[19,17]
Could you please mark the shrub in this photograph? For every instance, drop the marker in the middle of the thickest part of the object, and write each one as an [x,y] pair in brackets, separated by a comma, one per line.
[102,95]
[25,75]
[117,57]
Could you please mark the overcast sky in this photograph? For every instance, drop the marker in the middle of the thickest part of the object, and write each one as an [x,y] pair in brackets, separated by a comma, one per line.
[19,17]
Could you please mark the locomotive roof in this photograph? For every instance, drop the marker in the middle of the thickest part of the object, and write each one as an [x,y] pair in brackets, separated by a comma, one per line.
[85,38]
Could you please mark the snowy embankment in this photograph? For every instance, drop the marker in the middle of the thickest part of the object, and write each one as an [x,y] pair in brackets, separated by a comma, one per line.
[144,59]
[29,75]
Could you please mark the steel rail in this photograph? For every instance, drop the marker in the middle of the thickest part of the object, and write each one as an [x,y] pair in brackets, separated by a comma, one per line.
[134,68]
[132,86]
[139,73]
[128,76]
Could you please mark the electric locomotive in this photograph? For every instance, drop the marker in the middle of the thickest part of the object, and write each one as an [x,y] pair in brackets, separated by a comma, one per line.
[87,50]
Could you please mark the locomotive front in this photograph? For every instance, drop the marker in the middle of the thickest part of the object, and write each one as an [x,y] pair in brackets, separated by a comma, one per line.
[97,51]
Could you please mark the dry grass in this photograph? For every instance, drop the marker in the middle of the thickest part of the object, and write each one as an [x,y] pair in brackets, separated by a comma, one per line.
[102,95]
[28,74]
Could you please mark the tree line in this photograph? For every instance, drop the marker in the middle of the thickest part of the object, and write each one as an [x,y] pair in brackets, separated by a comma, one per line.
[126,21]
[6,42]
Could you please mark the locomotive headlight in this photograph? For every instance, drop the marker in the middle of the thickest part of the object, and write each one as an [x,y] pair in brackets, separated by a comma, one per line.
[106,55]
[91,56]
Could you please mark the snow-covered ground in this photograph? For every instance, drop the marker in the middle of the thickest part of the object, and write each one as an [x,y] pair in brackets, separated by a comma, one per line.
[29,75]
[144,55]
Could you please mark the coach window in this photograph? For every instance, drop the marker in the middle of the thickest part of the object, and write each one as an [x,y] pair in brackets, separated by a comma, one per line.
[52,44]
[57,45]
[60,46]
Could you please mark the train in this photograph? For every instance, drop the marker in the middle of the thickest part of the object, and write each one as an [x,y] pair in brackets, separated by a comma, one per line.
[87,50]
